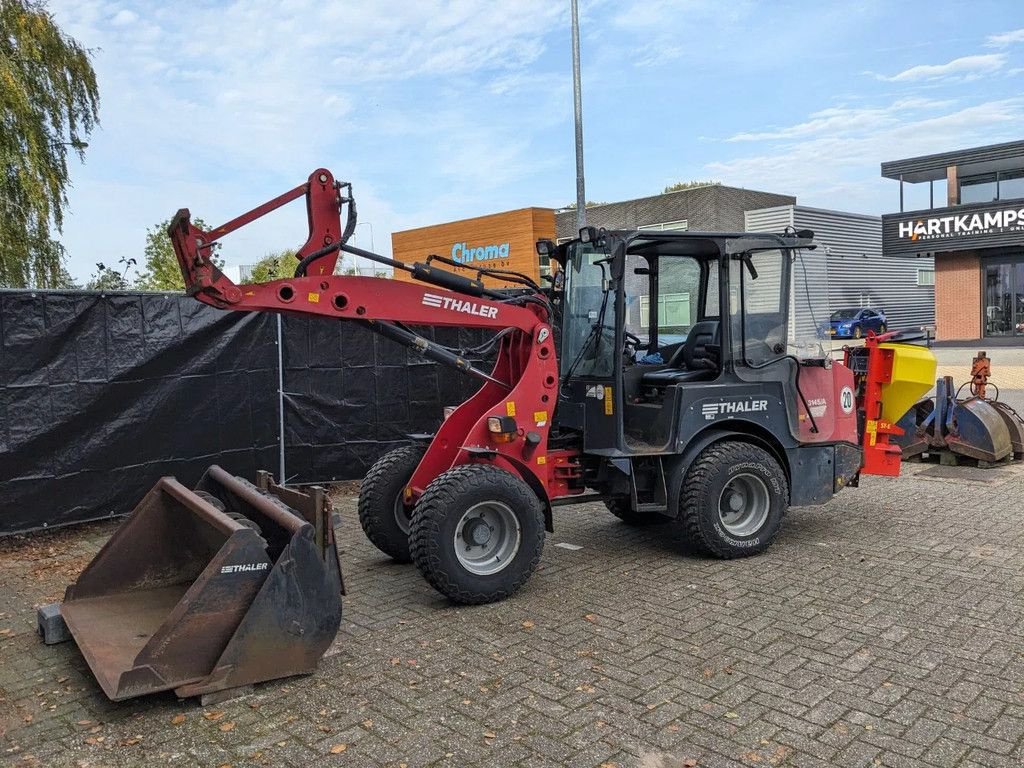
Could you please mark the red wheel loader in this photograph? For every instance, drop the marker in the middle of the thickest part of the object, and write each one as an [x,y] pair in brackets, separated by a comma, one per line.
[655,375]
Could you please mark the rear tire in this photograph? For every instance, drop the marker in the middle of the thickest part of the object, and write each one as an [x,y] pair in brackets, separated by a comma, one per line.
[620,507]
[477,533]
[382,515]
[733,499]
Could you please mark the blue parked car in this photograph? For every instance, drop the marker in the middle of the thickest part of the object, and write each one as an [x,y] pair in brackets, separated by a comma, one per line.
[854,323]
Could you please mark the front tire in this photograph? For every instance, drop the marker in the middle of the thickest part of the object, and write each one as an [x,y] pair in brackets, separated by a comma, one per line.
[382,512]
[477,533]
[733,499]
[857,332]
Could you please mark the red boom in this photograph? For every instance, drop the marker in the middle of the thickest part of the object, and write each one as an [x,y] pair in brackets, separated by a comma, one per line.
[525,377]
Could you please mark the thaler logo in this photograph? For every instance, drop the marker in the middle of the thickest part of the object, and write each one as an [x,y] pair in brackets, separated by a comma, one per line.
[458,305]
[713,410]
[245,567]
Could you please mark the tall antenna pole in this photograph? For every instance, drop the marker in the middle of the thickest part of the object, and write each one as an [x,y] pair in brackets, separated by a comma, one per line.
[581,195]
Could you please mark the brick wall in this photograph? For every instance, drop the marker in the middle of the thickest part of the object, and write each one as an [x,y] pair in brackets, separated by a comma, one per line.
[714,208]
[957,296]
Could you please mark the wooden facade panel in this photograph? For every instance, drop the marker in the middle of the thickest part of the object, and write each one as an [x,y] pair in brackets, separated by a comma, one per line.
[499,241]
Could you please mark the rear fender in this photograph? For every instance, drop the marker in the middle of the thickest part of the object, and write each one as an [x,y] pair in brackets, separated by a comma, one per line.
[677,466]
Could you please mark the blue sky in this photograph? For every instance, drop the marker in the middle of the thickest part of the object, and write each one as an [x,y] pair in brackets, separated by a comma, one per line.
[443,110]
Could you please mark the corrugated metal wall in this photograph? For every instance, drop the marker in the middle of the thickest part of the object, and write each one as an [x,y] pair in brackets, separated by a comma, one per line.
[849,259]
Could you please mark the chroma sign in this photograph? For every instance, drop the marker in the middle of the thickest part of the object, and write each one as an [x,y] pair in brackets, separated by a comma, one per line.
[462,253]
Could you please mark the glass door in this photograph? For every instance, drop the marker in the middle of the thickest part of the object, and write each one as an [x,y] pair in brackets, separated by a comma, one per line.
[1018,299]
[999,300]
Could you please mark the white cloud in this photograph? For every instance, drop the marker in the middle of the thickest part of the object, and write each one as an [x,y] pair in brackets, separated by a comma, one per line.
[835,120]
[1005,39]
[124,18]
[241,100]
[839,167]
[963,67]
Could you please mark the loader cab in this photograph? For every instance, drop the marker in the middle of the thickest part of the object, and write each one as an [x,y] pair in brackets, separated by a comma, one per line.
[658,328]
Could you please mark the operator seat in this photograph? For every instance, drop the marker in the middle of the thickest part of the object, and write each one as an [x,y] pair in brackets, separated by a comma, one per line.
[700,354]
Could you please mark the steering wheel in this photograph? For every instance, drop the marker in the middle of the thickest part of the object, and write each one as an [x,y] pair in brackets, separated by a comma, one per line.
[631,341]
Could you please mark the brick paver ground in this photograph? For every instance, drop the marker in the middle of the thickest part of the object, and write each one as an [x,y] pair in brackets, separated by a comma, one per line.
[886,628]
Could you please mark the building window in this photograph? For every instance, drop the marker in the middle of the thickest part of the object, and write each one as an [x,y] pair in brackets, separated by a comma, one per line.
[986,187]
[673,312]
[926,277]
[978,189]
[680,225]
[1011,185]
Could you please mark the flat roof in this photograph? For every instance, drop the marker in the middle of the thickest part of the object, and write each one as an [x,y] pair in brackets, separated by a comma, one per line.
[992,157]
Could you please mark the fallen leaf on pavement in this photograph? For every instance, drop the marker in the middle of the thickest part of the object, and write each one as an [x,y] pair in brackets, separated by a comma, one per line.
[177,720]
[691,763]
[228,727]
[490,735]
[367,723]
[214,714]
[337,749]
[590,617]
[528,624]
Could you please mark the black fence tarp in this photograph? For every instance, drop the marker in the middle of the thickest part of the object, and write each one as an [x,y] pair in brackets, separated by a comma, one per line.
[101,394]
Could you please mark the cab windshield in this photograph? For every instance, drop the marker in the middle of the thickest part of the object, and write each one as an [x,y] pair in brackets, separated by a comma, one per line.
[588,330]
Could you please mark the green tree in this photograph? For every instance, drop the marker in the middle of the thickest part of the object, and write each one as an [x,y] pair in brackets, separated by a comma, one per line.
[65,281]
[681,185]
[49,103]
[160,270]
[274,266]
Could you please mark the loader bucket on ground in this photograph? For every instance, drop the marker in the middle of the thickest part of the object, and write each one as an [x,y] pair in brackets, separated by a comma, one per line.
[975,429]
[209,589]
[1013,425]
[915,425]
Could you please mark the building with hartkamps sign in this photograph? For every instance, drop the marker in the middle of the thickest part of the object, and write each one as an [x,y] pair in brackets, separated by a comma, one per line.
[976,237]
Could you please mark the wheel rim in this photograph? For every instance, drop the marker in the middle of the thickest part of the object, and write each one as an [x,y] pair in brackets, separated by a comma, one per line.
[856,333]
[401,513]
[487,537]
[744,504]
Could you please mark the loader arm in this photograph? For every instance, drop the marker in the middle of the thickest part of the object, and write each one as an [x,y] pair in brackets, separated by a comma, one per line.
[505,423]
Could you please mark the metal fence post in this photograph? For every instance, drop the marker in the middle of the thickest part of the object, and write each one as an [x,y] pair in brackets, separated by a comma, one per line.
[281,477]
